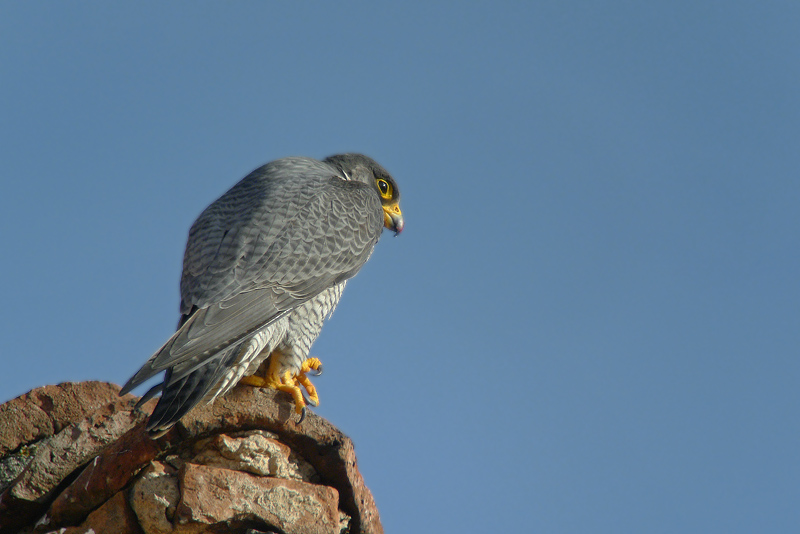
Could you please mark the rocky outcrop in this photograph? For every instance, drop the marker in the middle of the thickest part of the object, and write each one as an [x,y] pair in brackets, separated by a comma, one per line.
[75,458]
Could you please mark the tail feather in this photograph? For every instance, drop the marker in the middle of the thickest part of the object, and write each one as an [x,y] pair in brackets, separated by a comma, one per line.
[181,393]
[149,395]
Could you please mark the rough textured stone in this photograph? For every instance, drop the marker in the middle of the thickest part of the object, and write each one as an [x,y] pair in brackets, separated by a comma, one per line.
[115,516]
[45,411]
[315,439]
[108,473]
[241,464]
[254,451]
[57,457]
[12,465]
[154,497]
[68,450]
[215,496]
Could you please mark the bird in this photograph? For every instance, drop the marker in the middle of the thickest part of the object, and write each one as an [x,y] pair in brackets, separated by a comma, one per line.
[264,266]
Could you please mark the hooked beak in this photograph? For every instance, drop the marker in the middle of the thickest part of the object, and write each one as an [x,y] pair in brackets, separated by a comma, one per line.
[393,218]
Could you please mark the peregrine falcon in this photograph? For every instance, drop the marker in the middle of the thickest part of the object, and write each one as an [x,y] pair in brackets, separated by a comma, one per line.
[264,266]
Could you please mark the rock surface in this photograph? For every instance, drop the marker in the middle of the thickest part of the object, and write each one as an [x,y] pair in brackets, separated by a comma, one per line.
[75,458]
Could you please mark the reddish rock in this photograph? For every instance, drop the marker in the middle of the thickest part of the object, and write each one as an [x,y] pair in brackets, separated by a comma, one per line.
[154,497]
[215,497]
[45,411]
[69,449]
[330,452]
[108,473]
[254,451]
[57,457]
[114,516]
[260,462]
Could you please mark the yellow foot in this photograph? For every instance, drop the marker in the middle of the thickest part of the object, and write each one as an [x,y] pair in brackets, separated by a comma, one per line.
[290,383]
[311,364]
[255,381]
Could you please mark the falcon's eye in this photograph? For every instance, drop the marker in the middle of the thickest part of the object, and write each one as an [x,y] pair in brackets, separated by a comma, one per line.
[384,187]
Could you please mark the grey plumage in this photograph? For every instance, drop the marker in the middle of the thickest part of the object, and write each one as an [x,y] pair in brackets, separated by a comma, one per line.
[264,265]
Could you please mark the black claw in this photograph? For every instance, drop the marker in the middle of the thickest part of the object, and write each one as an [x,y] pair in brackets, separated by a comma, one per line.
[302,415]
[317,371]
[309,400]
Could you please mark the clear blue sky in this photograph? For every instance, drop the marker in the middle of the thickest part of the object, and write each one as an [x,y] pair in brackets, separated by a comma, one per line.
[591,322]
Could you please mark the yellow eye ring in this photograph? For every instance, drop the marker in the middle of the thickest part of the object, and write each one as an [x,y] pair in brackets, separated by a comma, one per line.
[385,188]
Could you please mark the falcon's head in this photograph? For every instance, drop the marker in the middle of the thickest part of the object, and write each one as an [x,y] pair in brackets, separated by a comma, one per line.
[364,169]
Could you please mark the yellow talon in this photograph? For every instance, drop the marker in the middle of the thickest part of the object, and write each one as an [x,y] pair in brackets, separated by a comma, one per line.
[309,364]
[290,387]
[289,383]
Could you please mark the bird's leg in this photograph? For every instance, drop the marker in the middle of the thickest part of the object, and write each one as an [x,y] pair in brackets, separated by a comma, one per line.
[259,379]
[311,364]
[267,375]
[254,380]
[273,379]
[289,383]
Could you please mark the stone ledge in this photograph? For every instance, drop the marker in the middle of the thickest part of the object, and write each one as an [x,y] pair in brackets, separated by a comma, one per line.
[91,458]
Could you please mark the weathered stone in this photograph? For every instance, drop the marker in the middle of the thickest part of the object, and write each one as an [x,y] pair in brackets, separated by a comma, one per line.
[107,474]
[154,497]
[213,496]
[344,523]
[69,449]
[315,439]
[114,516]
[250,429]
[15,463]
[45,411]
[57,457]
[254,451]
